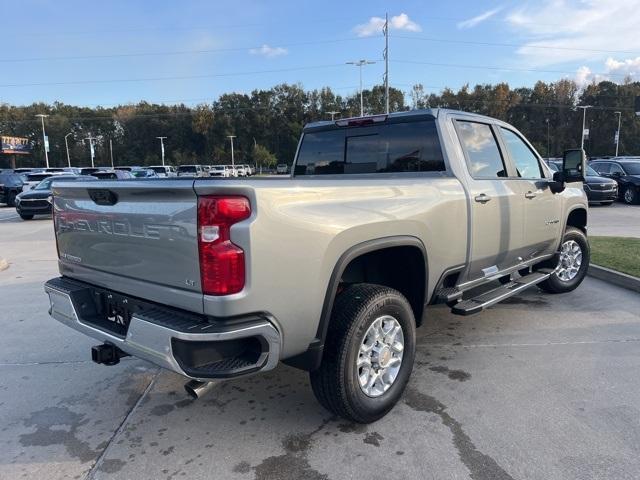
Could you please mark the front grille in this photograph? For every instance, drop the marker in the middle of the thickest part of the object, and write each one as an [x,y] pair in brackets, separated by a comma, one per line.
[34,203]
[603,187]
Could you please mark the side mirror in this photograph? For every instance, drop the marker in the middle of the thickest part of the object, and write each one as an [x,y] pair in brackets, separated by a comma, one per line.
[557,185]
[616,174]
[573,165]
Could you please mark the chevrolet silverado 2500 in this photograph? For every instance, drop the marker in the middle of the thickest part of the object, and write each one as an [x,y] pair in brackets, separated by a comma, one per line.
[328,270]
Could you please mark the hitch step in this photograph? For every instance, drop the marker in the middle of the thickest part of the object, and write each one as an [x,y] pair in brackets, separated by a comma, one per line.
[485,300]
[107,354]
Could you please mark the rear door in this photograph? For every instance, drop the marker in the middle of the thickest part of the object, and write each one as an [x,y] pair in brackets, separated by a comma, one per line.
[496,209]
[541,207]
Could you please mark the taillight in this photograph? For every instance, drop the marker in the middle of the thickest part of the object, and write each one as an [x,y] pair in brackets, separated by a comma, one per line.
[55,223]
[222,268]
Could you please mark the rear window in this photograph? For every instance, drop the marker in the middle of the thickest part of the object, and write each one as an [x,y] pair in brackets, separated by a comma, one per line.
[187,169]
[105,175]
[10,179]
[388,148]
[37,177]
[158,169]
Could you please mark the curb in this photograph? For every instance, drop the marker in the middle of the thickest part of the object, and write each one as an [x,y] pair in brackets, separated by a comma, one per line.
[617,278]
[3,264]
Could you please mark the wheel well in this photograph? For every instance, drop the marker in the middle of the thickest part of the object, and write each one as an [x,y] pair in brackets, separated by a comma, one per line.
[578,218]
[402,268]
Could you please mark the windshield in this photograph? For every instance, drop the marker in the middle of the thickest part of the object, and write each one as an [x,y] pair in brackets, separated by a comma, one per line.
[187,169]
[37,177]
[140,173]
[632,168]
[158,169]
[44,185]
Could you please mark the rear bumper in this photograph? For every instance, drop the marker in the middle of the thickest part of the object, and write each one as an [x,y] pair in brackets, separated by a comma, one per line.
[185,343]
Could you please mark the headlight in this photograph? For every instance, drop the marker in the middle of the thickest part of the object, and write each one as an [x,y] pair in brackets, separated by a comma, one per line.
[50,199]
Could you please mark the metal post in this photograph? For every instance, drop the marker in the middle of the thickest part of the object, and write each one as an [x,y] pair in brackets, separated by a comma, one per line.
[66,144]
[44,139]
[584,115]
[360,64]
[162,148]
[618,131]
[233,161]
[386,61]
[548,154]
[90,138]
[111,151]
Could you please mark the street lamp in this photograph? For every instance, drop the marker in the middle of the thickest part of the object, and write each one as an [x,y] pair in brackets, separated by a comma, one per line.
[233,162]
[91,150]
[548,154]
[360,64]
[333,114]
[45,140]
[618,131]
[584,115]
[66,144]
[162,148]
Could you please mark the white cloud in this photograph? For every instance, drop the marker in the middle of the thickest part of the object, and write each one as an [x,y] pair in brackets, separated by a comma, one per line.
[614,71]
[268,51]
[375,24]
[478,19]
[564,31]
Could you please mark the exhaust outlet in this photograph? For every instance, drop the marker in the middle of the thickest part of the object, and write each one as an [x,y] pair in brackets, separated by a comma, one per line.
[197,389]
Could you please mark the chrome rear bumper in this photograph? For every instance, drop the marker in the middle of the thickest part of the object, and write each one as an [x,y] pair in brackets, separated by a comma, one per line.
[170,339]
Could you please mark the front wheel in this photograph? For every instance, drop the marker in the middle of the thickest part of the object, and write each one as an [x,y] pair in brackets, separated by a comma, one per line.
[630,195]
[368,354]
[573,264]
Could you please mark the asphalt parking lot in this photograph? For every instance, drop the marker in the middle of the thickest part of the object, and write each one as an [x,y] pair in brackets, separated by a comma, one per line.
[538,387]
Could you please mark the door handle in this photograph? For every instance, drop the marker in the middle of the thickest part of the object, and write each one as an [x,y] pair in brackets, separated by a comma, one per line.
[482,198]
[530,195]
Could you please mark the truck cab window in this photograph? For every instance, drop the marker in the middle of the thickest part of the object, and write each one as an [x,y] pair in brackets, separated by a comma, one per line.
[525,160]
[484,157]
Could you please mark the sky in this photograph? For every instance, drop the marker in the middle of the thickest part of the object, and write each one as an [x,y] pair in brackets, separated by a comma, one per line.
[191,51]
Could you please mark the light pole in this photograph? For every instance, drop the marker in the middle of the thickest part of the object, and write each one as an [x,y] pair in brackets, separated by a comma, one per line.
[90,138]
[111,151]
[233,161]
[360,64]
[45,140]
[584,116]
[618,131]
[548,154]
[66,144]
[162,148]
[333,114]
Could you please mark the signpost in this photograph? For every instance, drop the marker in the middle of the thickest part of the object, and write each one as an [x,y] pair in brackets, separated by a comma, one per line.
[14,146]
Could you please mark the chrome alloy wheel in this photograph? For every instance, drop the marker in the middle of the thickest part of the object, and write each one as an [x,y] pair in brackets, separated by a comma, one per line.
[628,195]
[380,356]
[570,261]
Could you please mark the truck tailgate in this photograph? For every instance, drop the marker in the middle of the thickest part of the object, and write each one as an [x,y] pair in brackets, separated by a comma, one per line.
[138,234]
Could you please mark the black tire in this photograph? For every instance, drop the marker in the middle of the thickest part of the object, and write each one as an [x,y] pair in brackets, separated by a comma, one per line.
[25,216]
[11,199]
[335,383]
[629,195]
[554,284]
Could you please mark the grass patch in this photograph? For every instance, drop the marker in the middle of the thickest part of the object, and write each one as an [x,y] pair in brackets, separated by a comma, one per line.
[618,253]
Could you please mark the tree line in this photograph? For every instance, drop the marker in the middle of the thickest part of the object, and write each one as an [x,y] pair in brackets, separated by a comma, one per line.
[267,123]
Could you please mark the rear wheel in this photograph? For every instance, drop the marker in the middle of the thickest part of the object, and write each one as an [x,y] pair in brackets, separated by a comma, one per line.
[573,264]
[368,354]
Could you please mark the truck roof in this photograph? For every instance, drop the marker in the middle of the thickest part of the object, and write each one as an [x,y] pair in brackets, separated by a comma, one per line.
[421,113]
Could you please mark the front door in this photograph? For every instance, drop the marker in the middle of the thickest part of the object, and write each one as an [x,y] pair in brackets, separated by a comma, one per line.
[496,206]
[541,207]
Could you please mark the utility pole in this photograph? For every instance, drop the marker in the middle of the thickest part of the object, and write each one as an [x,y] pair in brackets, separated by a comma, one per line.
[233,161]
[333,114]
[618,131]
[111,151]
[45,140]
[385,55]
[584,115]
[66,144]
[360,64]
[91,139]
[162,148]
[548,154]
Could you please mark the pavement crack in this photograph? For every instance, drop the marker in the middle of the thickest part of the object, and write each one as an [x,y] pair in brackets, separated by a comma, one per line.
[480,465]
[101,459]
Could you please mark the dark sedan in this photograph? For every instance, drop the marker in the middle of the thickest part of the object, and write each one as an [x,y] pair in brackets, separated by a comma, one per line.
[38,200]
[625,172]
[599,189]
[10,187]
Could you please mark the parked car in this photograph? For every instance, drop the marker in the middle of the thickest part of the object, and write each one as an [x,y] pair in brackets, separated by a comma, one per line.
[139,172]
[381,217]
[282,169]
[190,171]
[112,174]
[126,167]
[10,186]
[242,172]
[249,169]
[88,170]
[220,171]
[625,171]
[164,170]
[30,180]
[599,189]
[39,200]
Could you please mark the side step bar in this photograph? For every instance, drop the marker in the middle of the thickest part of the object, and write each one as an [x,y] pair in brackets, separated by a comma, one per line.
[485,300]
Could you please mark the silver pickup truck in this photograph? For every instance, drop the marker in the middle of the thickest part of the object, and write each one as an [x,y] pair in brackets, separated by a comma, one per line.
[329,269]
